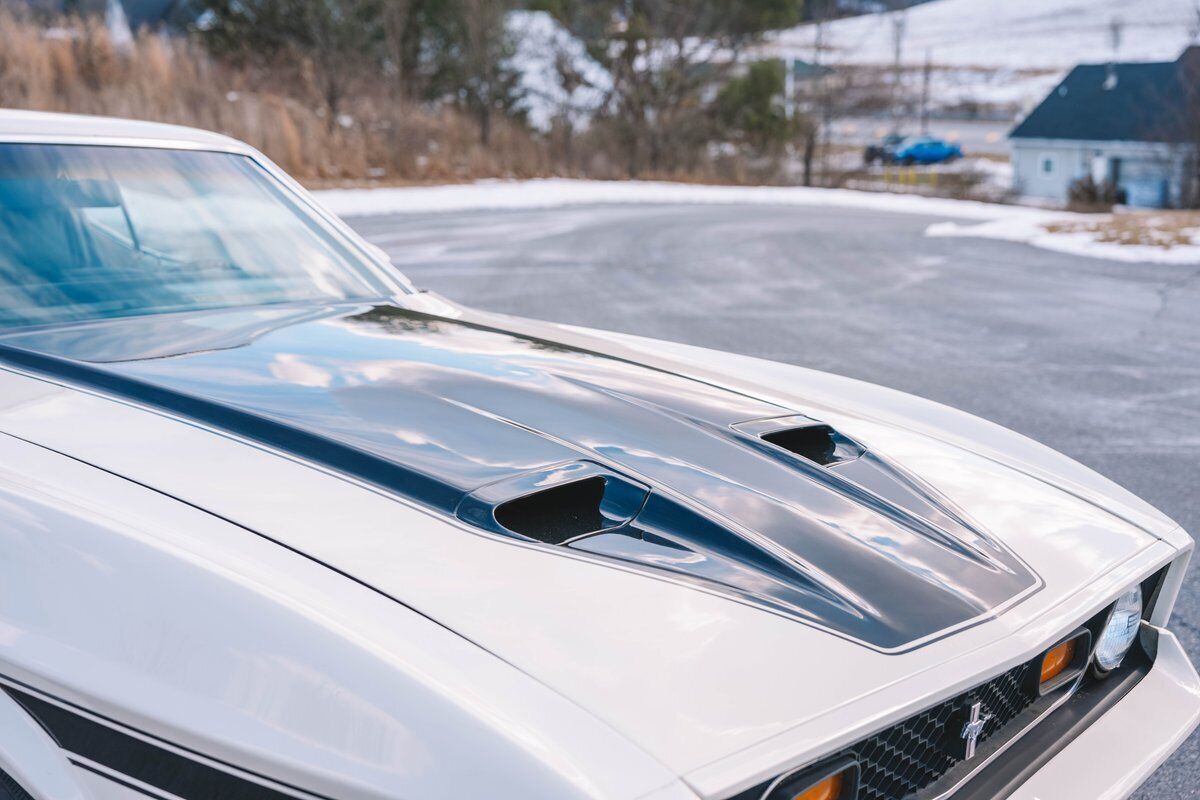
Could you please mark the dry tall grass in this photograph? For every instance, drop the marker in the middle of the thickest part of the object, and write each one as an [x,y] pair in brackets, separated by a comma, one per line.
[1163,229]
[74,67]
[377,137]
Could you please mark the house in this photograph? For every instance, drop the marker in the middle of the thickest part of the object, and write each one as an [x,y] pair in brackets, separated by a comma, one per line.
[1134,125]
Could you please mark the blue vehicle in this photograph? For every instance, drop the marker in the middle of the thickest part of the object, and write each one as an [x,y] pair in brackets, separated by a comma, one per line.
[884,151]
[926,150]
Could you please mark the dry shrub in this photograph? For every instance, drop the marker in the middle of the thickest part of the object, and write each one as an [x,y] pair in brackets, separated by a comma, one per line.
[378,136]
[73,66]
[1163,229]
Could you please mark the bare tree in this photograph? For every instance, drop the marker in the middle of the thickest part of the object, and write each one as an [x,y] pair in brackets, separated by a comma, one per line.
[479,59]
[1190,79]
[660,67]
[571,81]
[1169,120]
[335,42]
[666,58]
[1189,147]
[402,33]
[819,89]
[343,37]
[562,85]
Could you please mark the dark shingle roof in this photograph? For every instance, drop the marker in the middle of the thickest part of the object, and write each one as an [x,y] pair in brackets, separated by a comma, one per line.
[1157,102]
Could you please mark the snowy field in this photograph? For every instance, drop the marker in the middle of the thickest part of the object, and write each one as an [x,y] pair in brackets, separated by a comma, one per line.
[1006,52]
[1012,34]
[1052,230]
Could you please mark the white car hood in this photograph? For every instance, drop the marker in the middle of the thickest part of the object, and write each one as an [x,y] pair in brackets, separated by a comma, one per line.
[719,688]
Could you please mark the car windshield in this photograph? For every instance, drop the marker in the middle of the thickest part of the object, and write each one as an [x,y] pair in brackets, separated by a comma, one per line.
[92,232]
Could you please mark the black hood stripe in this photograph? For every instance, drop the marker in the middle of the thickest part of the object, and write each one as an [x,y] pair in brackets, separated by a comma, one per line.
[322,450]
[86,739]
[451,415]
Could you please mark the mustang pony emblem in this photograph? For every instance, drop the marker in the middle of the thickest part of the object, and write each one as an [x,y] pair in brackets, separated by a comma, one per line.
[973,727]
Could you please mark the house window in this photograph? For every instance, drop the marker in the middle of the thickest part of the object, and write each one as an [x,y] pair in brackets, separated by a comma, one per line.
[1046,165]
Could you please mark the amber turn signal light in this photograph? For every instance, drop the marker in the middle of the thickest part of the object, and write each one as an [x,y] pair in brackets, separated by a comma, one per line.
[828,789]
[832,780]
[1056,660]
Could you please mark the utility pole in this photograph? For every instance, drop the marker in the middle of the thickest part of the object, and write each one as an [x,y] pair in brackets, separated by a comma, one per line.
[815,94]
[789,85]
[925,74]
[899,20]
[1116,30]
[822,97]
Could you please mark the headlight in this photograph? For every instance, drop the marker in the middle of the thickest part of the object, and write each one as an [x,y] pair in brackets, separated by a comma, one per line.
[1120,630]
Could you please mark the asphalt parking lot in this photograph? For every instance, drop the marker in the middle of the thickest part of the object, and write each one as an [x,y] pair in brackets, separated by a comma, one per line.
[1098,359]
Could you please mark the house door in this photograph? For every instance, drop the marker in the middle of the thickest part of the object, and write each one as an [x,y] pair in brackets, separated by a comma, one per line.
[1147,193]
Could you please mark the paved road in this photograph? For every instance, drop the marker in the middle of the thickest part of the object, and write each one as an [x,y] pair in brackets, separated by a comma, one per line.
[1100,360]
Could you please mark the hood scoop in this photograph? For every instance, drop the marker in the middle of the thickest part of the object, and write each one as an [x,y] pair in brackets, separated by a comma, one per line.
[588,507]
[804,437]
[571,449]
[556,515]
[556,505]
[850,469]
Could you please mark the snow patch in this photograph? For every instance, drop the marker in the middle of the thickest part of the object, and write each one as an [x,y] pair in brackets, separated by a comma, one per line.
[987,220]
[117,23]
[558,192]
[1031,230]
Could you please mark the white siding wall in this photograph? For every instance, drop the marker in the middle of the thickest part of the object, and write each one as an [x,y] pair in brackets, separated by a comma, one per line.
[1150,173]
[1031,177]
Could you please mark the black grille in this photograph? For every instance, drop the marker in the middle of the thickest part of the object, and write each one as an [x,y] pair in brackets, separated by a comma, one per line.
[911,755]
[909,760]
[900,761]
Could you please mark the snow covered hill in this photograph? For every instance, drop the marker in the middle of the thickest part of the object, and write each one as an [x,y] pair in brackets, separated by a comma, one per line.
[1013,34]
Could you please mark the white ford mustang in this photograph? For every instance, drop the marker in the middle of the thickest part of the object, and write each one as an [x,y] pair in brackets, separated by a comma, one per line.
[273,524]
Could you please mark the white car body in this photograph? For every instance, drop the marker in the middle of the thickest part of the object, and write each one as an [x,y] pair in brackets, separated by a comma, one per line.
[302,631]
